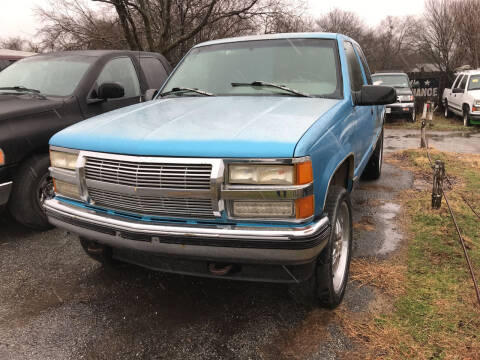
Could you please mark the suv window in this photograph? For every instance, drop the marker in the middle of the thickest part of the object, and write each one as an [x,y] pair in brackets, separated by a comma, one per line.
[456,81]
[154,72]
[354,69]
[122,71]
[463,83]
[368,74]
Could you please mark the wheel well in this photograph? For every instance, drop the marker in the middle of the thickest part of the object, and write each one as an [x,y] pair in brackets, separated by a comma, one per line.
[466,107]
[343,175]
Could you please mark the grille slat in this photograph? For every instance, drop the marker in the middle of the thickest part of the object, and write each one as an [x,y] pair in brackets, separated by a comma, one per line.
[172,176]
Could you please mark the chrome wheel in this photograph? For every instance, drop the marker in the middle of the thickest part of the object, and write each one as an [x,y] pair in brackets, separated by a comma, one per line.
[340,247]
[45,189]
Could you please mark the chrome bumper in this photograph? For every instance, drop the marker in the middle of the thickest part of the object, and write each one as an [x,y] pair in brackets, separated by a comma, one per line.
[273,245]
[5,190]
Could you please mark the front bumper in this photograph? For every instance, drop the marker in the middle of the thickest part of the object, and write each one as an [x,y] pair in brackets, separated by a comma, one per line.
[219,243]
[400,108]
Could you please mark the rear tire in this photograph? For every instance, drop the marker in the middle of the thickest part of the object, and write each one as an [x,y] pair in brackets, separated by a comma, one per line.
[326,287]
[373,170]
[32,185]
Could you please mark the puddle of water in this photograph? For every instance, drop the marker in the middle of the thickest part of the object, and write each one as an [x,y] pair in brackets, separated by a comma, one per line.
[391,237]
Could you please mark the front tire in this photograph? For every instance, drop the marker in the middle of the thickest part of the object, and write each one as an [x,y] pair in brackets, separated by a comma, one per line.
[32,185]
[327,285]
[373,170]
[466,117]
[447,112]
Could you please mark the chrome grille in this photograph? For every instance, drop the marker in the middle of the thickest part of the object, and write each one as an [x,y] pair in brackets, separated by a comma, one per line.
[153,206]
[149,175]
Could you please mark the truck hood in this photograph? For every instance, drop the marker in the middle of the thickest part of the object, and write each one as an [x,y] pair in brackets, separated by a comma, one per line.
[12,106]
[234,126]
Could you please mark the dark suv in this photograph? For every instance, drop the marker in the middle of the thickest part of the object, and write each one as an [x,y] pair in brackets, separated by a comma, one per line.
[405,104]
[43,94]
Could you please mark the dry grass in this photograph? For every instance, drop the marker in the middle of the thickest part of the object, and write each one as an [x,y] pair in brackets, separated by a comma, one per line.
[387,276]
[432,311]
[439,123]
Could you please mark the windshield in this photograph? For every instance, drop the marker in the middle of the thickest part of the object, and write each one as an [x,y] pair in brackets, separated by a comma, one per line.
[305,65]
[51,76]
[391,80]
[474,83]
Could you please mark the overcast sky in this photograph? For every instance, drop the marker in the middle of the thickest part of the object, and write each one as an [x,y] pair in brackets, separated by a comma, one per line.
[17,16]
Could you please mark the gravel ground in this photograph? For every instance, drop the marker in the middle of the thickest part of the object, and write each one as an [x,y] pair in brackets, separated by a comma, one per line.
[56,303]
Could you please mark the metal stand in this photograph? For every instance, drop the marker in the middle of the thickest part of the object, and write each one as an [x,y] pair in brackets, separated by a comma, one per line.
[437,190]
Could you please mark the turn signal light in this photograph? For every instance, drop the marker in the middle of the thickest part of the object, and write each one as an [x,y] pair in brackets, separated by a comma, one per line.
[304,207]
[2,157]
[304,173]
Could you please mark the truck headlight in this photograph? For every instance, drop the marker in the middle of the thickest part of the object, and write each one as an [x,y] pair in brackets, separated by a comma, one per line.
[477,103]
[64,160]
[252,174]
[262,174]
[66,189]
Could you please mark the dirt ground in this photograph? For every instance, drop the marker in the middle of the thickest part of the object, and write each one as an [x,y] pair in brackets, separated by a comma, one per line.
[56,303]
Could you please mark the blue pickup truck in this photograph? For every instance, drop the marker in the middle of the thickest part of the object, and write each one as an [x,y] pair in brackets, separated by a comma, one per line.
[240,167]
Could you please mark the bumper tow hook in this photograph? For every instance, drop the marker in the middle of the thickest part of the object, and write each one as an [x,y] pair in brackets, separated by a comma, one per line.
[219,270]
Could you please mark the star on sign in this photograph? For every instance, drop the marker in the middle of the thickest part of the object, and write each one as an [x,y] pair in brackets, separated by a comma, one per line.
[427,83]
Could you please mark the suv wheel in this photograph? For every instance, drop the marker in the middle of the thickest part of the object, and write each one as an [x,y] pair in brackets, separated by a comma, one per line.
[32,185]
[327,285]
[466,117]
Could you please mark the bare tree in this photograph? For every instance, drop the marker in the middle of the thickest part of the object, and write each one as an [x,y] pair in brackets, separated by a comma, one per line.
[467,22]
[167,26]
[436,35]
[344,22]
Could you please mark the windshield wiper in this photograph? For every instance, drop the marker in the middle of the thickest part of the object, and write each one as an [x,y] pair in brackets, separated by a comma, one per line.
[23,89]
[185,89]
[277,86]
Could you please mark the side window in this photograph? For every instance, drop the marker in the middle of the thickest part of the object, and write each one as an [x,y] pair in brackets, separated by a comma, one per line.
[354,69]
[463,83]
[368,74]
[154,72]
[122,71]
[456,81]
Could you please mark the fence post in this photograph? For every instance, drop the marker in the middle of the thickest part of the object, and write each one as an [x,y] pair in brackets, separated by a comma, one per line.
[437,190]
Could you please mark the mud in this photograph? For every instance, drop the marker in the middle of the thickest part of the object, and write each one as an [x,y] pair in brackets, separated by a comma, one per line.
[56,303]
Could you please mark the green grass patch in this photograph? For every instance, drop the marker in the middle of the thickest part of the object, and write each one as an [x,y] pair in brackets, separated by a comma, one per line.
[439,122]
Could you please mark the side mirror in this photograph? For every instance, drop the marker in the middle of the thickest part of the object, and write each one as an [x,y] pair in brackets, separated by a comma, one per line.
[110,91]
[374,95]
[457,91]
[415,85]
[150,94]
